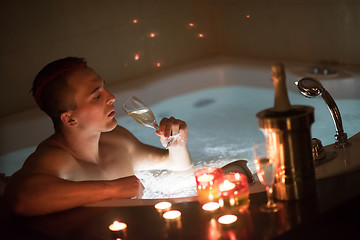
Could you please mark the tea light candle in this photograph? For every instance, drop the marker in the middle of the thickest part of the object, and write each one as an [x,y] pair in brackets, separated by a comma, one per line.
[211,206]
[172,215]
[226,186]
[234,191]
[172,219]
[163,206]
[205,178]
[118,229]
[227,219]
[117,226]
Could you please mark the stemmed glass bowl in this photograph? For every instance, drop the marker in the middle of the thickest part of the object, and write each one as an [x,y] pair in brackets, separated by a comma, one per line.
[265,164]
[143,115]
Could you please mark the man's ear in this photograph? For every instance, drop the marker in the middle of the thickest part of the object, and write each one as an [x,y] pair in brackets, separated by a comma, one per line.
[68,120]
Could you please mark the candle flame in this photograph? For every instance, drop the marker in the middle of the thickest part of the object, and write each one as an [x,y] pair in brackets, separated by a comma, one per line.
[173,214]
[205,178]
[210,206]
[227,219]
[163,205]
[117,226]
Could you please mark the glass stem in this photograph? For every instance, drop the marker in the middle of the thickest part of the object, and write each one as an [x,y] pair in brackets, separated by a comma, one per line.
[156,126]
[269,195]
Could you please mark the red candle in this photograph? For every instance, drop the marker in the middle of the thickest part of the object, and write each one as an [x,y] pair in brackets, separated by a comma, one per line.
[207,180]
[234,191]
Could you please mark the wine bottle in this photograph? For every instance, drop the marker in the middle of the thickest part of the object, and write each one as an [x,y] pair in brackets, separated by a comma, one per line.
[281,100]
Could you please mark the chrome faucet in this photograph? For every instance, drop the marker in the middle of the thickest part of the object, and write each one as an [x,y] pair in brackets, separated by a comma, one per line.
[311,87]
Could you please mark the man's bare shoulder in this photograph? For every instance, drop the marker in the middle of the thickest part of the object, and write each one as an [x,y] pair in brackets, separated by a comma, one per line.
[49,158]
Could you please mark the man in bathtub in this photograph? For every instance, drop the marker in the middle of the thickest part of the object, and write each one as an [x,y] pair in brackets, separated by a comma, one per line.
[89,158]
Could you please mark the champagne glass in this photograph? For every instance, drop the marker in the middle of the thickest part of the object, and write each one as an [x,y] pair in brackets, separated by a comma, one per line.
[265,165]
[143,115]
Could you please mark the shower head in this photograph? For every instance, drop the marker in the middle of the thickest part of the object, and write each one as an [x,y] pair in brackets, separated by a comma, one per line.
[310,87]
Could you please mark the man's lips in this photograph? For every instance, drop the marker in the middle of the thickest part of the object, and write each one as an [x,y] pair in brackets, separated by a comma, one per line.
[112,114]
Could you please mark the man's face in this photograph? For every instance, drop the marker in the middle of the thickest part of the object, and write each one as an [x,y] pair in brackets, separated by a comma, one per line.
[94,103]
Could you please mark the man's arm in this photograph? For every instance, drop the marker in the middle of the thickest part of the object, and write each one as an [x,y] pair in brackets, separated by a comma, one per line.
[46,184]
[176,157]
[36,194]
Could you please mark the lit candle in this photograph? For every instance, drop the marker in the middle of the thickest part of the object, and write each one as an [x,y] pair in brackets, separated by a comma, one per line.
[227,219]
[172,215]
[117,226]
[163,206]
[226,186]
[234,192]
[210,206]
[118,229]
[172,219]
[205,178]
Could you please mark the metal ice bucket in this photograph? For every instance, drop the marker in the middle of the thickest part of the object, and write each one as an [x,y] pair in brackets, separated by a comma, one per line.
[288,134]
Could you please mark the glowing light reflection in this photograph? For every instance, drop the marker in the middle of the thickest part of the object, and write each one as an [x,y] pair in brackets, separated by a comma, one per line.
[137,57]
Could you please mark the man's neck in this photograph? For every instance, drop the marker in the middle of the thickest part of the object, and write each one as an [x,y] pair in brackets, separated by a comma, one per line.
[83,146]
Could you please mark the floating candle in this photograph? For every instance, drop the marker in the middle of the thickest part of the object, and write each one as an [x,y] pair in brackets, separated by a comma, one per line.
[210,206]
[227,219]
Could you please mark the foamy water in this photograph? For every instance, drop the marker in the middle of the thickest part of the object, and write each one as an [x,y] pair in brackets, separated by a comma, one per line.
[222,127]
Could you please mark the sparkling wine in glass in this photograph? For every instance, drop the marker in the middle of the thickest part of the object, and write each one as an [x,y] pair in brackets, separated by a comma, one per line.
[266,168]
[143,115]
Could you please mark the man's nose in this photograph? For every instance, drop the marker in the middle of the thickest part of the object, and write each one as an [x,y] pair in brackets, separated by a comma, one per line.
[111,98]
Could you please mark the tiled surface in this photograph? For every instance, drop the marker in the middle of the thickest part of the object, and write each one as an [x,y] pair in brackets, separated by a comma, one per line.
[34,34]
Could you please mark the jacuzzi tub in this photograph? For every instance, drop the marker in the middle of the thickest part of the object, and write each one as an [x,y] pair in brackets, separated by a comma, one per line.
[218,99]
